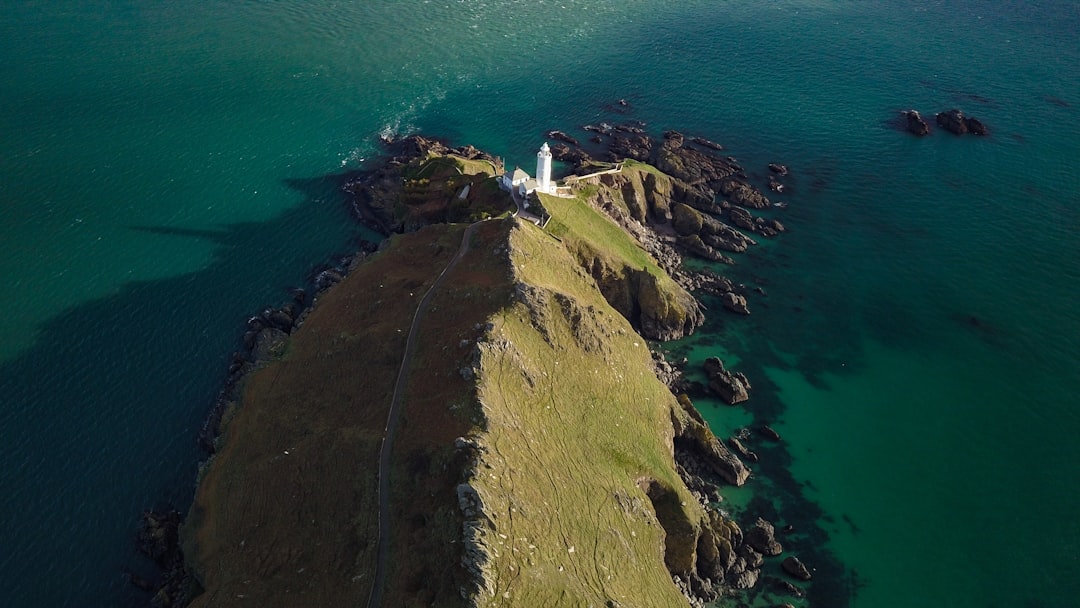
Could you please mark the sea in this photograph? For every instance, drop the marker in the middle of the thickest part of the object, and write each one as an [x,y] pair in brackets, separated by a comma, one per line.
[169,169]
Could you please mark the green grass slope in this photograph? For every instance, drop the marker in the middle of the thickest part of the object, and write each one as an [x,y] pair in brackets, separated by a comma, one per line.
[578,428]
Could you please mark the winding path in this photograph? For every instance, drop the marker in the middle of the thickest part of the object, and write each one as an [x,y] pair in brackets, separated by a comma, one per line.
[383,492]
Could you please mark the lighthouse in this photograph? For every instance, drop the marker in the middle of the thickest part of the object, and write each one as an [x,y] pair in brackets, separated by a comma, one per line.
[543,169]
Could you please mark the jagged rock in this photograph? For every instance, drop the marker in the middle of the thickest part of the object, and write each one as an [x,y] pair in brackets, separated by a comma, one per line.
[674,139]
[741,218]
[762,537]
[915,123]
[738,244]
[469,501]
[743,194]
[693,435]
[705,281]
[745,579]
[690,165]
[701,141]
[632,145]
[563,137]
[954,121]
[702,587]
[794,567]
[740,449]
[735,303]
[698,247]
[572,156]
[754,560]
[732,387]
[778,169]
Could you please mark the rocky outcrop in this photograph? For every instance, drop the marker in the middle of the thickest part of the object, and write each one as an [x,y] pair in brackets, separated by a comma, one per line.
[955,122]
[794,567]
[741,193]
[914,123]
[762,537]
[159,539]
[732,387]
[694,436]
[735,303]
[695,245]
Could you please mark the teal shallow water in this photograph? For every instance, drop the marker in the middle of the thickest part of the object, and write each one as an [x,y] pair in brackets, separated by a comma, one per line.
[918,348]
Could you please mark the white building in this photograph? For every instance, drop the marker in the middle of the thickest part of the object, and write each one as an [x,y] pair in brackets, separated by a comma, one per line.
[509,181]
[526,185]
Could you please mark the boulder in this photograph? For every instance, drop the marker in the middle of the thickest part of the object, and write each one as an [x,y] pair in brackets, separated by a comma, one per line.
[915,123]
[735,303]
[778,169]
[731,387]
[762,538]
[952,121]
[795,568]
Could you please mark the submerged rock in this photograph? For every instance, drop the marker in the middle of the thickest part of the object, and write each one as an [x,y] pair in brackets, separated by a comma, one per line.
[794,567]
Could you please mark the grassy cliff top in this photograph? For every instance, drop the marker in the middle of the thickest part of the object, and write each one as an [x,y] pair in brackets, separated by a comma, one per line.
[577,428]
[564,490]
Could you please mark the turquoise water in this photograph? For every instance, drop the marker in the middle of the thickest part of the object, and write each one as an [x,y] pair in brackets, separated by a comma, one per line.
[166,171]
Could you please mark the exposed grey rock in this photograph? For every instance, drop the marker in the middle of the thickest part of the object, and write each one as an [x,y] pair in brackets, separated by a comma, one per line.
[762,538]
[745,579]
[735,303]
[732,387]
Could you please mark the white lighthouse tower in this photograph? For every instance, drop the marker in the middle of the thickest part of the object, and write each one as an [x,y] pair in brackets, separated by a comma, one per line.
[543,169]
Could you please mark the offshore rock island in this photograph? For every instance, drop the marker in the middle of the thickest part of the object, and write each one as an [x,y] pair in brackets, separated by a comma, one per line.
[539,453]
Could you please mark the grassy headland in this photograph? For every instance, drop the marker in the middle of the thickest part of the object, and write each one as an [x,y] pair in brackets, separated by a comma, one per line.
[533,464]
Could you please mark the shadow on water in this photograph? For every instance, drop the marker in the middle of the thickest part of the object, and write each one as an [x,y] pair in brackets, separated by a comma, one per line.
[99,419]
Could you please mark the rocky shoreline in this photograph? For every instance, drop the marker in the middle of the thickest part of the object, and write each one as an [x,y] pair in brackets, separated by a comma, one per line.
[680,215]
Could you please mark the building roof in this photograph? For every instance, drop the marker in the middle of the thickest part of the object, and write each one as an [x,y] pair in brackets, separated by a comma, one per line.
[519,175]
